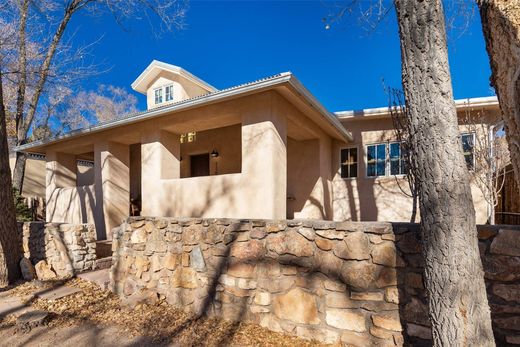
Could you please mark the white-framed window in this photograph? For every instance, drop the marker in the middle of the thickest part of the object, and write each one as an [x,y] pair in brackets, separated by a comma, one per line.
[168,93]
[397,159]
[376,160]
[349,162]
[468,148]
[385,159]
[158,96]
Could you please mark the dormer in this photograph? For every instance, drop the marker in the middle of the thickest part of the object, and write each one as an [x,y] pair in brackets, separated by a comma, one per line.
[165,84]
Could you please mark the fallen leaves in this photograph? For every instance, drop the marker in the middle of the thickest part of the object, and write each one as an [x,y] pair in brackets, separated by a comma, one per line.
[161,322]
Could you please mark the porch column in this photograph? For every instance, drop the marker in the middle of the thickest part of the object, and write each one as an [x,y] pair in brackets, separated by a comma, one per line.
[160,160]
[264,163]
[112,186]
[60,173]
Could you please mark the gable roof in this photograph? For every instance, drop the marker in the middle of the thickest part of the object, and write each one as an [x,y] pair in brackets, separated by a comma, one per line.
[332,124]
[142,82]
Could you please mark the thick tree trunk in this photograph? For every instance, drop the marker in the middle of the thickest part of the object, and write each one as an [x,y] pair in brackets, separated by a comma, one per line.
[454,278]
[501,27]
[10,238]
[19,171]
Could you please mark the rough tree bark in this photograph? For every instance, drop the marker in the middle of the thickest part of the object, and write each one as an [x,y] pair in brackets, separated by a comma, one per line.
[10,238]
[458,306]
[501,28]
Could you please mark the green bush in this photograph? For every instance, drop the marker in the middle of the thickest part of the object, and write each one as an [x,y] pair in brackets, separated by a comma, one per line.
[23,212]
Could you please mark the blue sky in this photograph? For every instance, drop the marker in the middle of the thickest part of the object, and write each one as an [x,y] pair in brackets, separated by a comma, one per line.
[228,43]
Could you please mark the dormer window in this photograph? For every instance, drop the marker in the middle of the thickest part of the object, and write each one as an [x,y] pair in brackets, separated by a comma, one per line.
[158,96]
[168,92]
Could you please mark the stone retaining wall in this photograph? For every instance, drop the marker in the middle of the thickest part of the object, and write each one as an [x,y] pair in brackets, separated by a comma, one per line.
[65,249]
[358,283]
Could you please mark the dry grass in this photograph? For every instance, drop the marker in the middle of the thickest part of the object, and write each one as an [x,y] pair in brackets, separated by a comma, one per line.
[160,322]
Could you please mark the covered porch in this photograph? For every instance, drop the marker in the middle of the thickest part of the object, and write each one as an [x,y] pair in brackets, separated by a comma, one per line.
[265,155]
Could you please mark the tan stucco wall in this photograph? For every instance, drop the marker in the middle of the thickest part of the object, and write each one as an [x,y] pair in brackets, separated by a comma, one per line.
[258,190]
[67,202]
[370,199]
[34,178]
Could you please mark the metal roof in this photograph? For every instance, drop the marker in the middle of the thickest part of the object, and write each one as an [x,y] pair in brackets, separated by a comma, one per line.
[263,83]
[485,101]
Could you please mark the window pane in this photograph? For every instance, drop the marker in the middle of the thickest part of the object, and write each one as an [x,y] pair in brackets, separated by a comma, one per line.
[381,152]
[395,150]
[169,93]
[371,153]
[348,162]
[404,167]
[469,160]
[380,168]
[371,169]
[353,170]
[353,155]
[394,167]
[467,143]
[344,171]
[344,156]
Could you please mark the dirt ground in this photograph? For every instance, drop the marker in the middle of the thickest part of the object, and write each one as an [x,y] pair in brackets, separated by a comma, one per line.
[93,317]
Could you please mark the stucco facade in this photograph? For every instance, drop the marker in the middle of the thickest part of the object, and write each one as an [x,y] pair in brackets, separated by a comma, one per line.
[386,198]
[264,150]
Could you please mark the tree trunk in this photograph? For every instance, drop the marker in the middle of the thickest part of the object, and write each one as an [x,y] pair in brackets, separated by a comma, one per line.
[454,278]
[10,237]
[501,28]
[19,171]
[413,217]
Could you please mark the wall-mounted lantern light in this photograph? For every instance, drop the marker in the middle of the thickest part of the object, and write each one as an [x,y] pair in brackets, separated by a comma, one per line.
[214,154]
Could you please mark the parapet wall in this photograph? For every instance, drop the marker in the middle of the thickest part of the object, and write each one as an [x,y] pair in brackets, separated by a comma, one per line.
[358,283]
[67,249]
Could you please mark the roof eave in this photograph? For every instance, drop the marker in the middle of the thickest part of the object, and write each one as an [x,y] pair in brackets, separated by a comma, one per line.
[329,116]
[285,77]
[383,112]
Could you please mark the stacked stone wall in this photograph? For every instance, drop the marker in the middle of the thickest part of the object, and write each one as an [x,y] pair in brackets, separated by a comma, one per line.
[66,249]
[359,284]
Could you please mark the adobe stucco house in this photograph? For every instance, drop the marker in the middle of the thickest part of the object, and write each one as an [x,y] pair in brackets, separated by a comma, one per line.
[265,149]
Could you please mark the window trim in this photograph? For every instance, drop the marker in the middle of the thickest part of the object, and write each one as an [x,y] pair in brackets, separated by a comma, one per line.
[387,174]
[365,158]
[357,163]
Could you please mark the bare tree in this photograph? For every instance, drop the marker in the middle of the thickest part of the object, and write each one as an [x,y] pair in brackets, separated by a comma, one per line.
[404,134]
[69,109]
[46,22]
[10,242]
[501,28]
[488,157]
[458,306]
[30,40]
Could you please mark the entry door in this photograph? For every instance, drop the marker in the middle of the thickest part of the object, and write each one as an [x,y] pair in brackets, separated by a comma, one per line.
[199,165]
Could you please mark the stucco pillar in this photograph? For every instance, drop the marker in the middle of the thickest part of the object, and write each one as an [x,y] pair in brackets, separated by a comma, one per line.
[264,163]
[112,186]
[60,173]
[160,160]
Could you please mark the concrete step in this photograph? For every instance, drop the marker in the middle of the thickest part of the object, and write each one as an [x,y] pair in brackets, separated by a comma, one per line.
[99,277]
[103,263]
